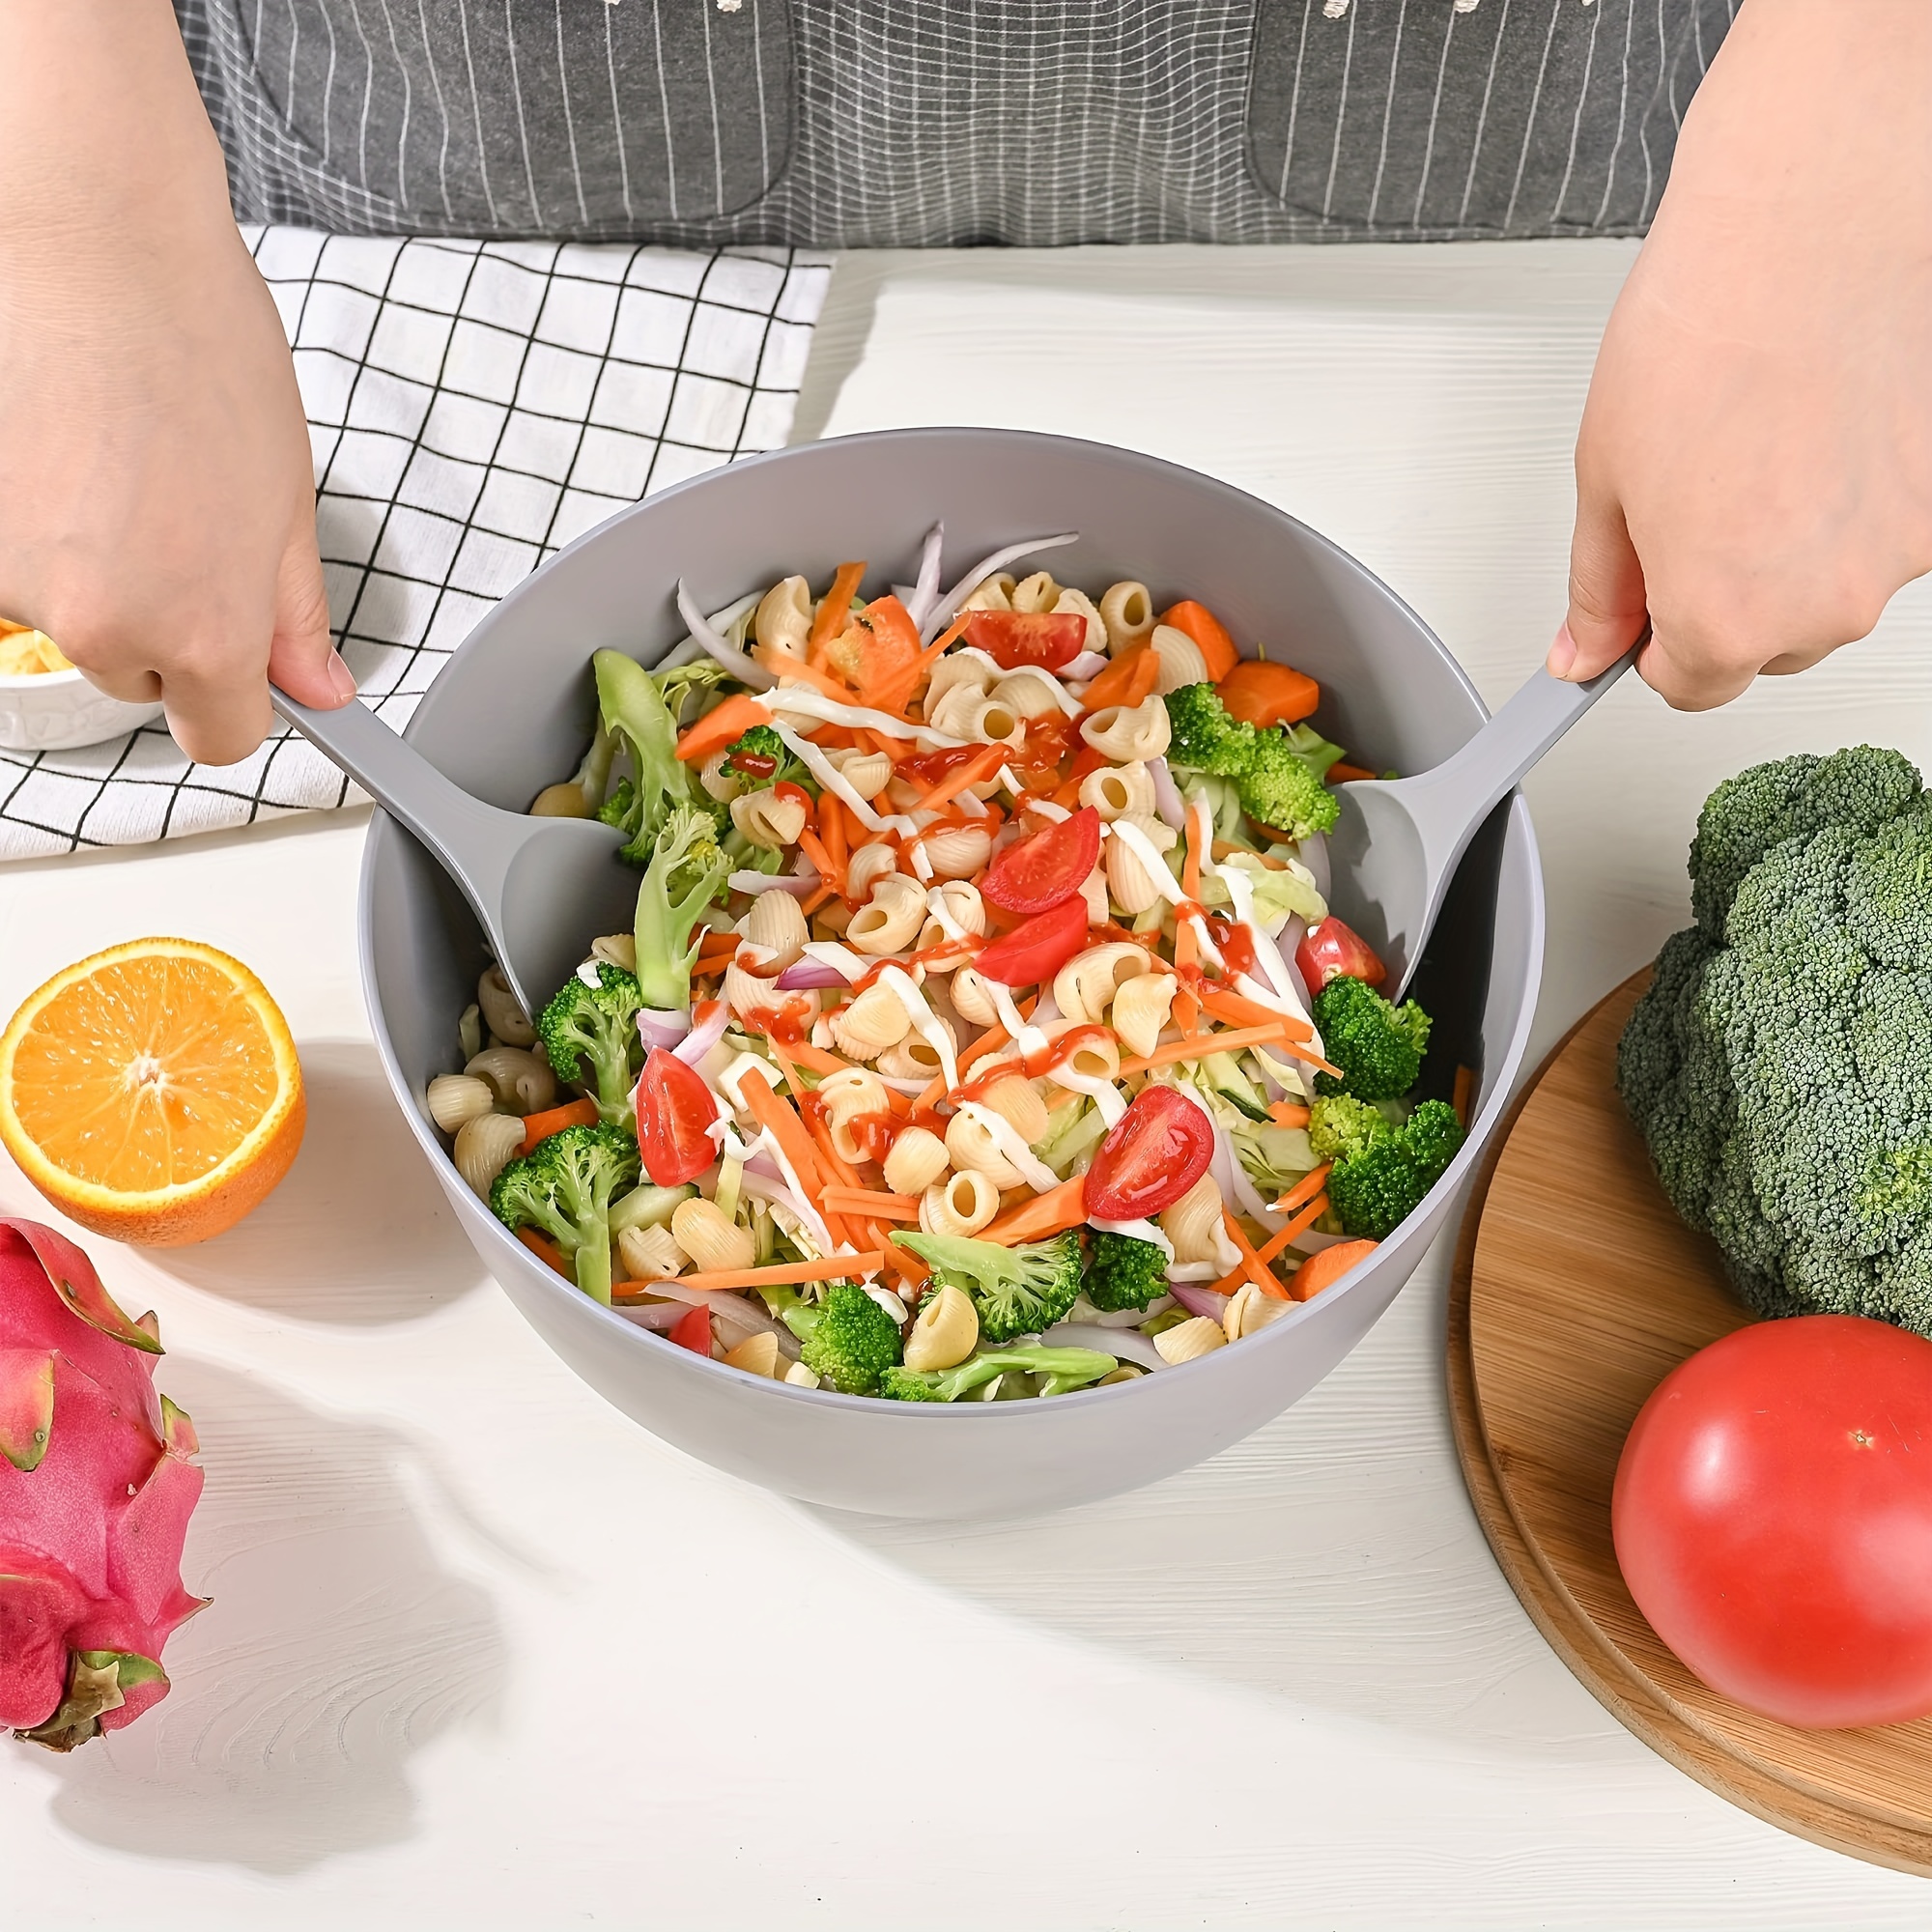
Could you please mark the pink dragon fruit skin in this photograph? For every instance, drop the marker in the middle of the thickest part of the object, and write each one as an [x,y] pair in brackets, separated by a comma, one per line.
[95,1491]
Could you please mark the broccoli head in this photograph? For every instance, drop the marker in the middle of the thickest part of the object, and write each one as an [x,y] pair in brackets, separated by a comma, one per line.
[1376,1187]
[563,1189]
[591,1036]
[1123,1271]
[1065,1368]
[1204,736]
[1377,1046]
[849,1339]
[687,873]
[762,757]
[1342,1127]
[1779,1065]
[1016,1291]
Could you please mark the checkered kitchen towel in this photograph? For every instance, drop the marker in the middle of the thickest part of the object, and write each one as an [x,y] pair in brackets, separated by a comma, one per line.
[473,407]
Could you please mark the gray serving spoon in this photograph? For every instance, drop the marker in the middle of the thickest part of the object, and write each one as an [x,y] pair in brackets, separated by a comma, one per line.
[543,888]
[1396,846]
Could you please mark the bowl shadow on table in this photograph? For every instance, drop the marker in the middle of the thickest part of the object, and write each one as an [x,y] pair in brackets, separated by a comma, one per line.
[1330,1561]
[336,1647]
[359,1230]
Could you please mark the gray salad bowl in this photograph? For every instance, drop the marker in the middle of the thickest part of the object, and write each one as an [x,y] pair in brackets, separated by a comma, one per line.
[512,713]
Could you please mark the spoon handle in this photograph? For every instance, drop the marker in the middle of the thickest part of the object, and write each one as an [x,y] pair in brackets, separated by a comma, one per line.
[466,835]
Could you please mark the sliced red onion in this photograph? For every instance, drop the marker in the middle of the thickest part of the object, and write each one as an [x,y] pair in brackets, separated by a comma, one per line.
[799,884]
[1199,1300]
[806,975]
[740,664]
[1084,668]
[706,1031]
[947,607]
[656,1316]
[1167,798]
[662,1028]
[1124,1344]
[1313,852]
[925,593]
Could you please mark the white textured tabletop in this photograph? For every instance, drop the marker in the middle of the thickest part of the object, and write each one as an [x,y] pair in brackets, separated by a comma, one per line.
[485,1654]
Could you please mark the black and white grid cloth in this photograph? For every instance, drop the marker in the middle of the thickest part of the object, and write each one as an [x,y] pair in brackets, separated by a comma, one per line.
[473,407]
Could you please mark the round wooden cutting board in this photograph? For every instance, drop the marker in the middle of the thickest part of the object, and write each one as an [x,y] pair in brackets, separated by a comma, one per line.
[1576,1291]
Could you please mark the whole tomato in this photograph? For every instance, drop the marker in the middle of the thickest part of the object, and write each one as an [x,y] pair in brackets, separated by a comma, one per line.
[1773,1518]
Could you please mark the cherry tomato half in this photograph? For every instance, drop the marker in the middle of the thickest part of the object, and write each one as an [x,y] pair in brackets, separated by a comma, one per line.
[1157,1149]
[1037,950]
[1015,638]
[1047,869]
[693,1331]
[1773,1518]
[675,1111]
[1329,951]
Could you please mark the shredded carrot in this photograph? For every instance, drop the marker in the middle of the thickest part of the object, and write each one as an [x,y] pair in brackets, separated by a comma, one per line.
[1203,1043]
[831,829]
[1464,1092]
[817,899]
[981,766]
[1343,773]
[1276,1242]
[814,849]
[989,1042]
[1286,1114]
[1252,1265]
[1050,1213]
[834,611]
[930,1094]
[896,692]
[783,668]
[1186,1007]
[554,1121]
[786,1128]
[722,726]
[863,1201]
[1240,1011]
[827,1268]
[1324,1270]
[1305,1189]
[546,1251]
[814,1057]
[840,1175]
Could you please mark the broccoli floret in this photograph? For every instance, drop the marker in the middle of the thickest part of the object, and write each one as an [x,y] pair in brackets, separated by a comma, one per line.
[1342,1127]
[686,874]
[1283,786]
[1780,1065]
[1016,1291]
[591,1036]
[634,712]
[849,1339]
[1377,1046]
[563,1189]
[772,760]
[1123,1271]
[1204,736]
[1378,1184]
[1065,1368]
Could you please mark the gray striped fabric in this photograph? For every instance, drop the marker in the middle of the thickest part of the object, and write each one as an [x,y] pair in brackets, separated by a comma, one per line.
[915,123]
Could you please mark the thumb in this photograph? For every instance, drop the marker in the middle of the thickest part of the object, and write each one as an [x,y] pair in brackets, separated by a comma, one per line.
[302,658]
[1607,593]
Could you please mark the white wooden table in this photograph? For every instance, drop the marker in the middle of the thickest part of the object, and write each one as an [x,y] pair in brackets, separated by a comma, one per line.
[485,1654]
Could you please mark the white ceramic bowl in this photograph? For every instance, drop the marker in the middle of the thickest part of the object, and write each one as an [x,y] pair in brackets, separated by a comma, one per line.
[59,711]
[512,713]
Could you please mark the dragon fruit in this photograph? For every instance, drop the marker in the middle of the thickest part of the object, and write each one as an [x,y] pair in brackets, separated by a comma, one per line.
[95,1491]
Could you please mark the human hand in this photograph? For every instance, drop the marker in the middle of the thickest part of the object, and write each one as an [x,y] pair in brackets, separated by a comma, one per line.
[1754,467]
[157,493]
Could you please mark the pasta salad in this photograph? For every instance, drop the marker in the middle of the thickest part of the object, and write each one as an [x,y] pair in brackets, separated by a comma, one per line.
[983,1033]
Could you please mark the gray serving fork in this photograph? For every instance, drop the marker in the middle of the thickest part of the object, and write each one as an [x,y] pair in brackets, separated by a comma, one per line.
[1396,846]
[543,888]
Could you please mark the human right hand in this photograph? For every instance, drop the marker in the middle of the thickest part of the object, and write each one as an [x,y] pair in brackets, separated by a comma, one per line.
[1754,468]
[157,494]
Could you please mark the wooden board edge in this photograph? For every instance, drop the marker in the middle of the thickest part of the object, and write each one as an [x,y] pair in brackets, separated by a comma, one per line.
[1742,1781]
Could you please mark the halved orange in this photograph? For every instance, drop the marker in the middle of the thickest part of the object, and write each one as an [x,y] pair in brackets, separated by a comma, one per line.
[152,1092]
